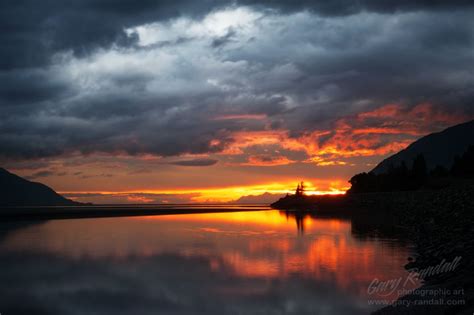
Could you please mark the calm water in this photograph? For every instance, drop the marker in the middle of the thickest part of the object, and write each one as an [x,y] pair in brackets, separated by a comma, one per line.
[258,262]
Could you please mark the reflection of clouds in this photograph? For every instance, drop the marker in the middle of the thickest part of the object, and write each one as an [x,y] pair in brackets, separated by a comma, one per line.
[121,237]
[164,284]
[227,256]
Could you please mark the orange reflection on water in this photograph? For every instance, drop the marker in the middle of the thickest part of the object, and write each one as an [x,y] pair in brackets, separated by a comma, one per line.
[271,218]
[259,244]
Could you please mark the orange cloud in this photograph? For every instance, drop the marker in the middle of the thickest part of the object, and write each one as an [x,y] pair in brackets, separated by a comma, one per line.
[382,131]
[322,162]
[419,120]
[267,160]
[379,132]
[245,139]
[139,199]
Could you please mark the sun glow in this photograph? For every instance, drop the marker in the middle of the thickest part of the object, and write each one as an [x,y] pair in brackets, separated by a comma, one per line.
[225,194]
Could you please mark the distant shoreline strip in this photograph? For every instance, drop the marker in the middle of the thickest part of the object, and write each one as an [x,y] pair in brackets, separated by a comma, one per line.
[81,212]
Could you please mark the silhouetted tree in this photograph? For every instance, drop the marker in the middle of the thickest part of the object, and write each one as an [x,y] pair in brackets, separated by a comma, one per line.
[464,166]
[300,189]
[419,167]
[363,182]
[403,169]
[439,171]
[400,178]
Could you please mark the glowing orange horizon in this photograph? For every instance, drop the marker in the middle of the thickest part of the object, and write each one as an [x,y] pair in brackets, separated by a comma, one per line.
[227,194]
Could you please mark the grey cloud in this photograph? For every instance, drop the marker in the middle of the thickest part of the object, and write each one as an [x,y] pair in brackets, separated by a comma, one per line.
[98,175]
[123,198]
[222,40]
[40,174]
[45,173]
[195,162]
[301,69]
[24,164]
[32,30]
[348,7]
[30,86]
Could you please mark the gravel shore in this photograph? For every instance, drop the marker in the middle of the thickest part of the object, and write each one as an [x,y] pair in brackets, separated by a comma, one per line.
[440,223]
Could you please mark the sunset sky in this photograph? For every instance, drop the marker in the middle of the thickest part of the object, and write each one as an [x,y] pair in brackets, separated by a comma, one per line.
[207,101]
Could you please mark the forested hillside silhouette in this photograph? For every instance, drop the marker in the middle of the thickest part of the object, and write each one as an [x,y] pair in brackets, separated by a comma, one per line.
[403,178]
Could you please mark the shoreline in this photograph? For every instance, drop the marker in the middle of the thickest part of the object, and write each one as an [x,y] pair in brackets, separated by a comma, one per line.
[105,211]
[441,226]
[438,222]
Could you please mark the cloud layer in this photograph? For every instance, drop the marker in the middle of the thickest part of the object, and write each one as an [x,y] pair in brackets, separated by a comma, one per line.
[181,78]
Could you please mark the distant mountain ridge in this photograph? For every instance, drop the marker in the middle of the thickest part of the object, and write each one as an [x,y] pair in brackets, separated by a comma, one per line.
[438,148]
[17,191]
[266,198]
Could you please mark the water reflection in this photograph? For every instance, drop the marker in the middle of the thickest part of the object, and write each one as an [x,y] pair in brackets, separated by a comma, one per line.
[299,217]
[241,262]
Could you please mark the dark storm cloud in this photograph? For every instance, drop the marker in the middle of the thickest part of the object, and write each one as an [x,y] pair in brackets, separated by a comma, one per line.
[96,76]
[346,7]
[195,162]
[29,86]
[40,174]
[32,30]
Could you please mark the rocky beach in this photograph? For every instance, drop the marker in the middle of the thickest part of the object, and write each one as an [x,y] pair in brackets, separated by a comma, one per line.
[440,223]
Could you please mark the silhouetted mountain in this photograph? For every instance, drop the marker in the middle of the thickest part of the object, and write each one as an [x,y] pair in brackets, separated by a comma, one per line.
[442,159]
[438,149]
[266,198]
[17,191]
